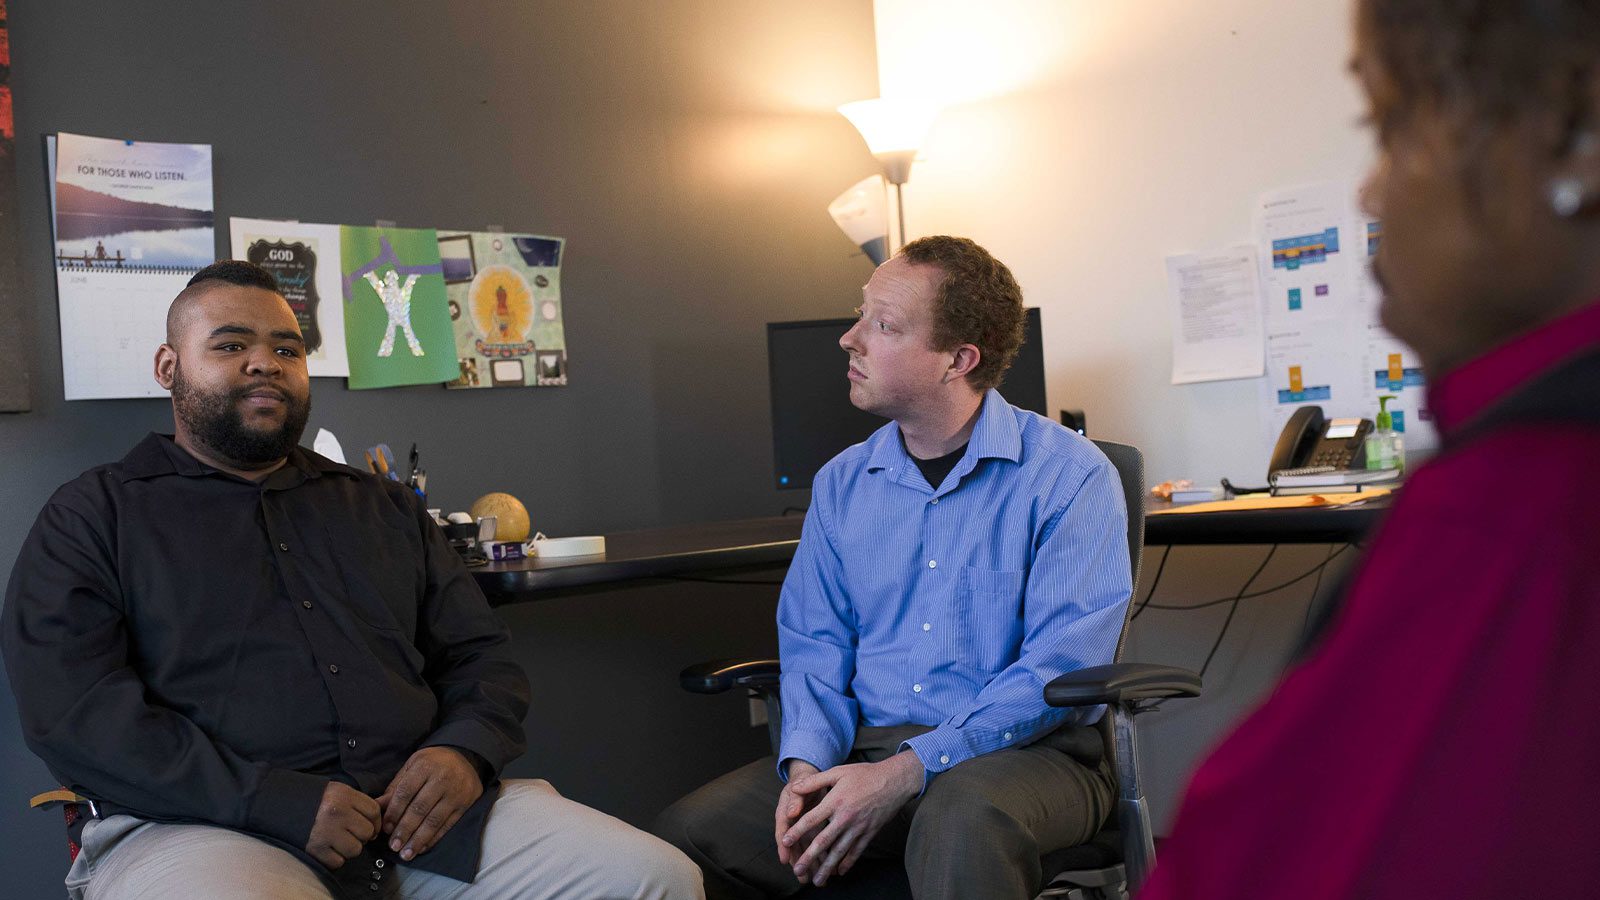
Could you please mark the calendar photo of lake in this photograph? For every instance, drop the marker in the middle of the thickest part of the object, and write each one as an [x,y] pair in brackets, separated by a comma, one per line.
[124,205]
[185,248]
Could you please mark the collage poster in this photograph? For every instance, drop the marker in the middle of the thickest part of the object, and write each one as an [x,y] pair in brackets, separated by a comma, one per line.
[305,260]
[133,221]
[396,316]
[505,305]
[382,306]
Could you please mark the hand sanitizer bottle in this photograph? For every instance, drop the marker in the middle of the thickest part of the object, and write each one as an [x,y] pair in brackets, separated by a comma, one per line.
[1385,447]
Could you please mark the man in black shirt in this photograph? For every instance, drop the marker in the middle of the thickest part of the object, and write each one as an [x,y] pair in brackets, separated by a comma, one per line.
[246,654]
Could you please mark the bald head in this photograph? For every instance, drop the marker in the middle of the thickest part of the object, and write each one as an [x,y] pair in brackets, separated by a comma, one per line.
[183,311]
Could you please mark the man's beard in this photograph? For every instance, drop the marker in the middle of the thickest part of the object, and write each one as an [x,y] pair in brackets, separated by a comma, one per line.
[214,421]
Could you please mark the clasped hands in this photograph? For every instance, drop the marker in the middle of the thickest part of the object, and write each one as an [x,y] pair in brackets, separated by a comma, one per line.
[423,800]
[825,820]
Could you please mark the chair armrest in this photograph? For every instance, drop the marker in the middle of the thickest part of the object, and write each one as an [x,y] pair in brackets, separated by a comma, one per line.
[720,675]
[1121,683]
[56,797]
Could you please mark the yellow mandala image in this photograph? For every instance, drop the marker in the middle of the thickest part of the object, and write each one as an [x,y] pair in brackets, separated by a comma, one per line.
[501,305]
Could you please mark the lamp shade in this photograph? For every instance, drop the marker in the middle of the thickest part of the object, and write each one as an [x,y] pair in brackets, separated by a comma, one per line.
[891,125]
[862,214]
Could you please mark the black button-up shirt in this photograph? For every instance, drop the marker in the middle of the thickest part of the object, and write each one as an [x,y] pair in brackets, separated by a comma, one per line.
[187,645]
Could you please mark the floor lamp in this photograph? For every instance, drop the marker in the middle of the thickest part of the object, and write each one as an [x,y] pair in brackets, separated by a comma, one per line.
[894,131]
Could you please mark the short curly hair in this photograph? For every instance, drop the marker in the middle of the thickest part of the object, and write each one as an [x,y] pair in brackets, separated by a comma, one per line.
[978,302]
[1482,62]
[237,271]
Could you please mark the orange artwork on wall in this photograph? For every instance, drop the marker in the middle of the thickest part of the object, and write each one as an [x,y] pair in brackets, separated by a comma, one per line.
[7,131]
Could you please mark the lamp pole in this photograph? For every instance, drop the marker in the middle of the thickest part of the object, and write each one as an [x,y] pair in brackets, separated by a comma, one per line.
[897,171]
[900,214]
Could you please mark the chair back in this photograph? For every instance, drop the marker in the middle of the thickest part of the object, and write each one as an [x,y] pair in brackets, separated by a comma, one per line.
[1116,726]
[1129,462]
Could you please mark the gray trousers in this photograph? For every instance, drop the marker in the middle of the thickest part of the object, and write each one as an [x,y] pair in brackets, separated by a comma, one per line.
[977,832]
[536,844]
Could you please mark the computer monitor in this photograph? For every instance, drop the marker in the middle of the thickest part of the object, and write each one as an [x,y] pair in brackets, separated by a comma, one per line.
[812,416]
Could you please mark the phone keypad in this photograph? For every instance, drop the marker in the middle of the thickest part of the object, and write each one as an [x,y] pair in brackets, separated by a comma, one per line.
[1337,457]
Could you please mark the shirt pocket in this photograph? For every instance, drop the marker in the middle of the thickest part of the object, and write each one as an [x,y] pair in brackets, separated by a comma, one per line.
[383,583]
[989,611]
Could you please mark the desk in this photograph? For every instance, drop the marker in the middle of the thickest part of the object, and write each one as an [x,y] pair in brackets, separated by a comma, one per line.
[727,547]
[1305,525]
[607,634]
[652,553]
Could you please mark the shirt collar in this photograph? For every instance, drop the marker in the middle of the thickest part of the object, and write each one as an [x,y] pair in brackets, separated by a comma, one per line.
[159,454]
[1461,394]
[995,436]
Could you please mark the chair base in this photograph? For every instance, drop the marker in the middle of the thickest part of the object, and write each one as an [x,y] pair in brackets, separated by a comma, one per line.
[1109,883]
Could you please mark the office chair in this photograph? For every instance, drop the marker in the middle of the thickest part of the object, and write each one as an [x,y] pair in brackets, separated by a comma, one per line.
[1116,859]
[73,808]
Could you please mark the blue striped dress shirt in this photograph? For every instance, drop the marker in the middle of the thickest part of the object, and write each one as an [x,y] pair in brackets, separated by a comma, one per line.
[951,605]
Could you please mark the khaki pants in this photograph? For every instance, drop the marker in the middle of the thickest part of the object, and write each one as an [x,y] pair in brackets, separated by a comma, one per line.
[977,832]
[536,844]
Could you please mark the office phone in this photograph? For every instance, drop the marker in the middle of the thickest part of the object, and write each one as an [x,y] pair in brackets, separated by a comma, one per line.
[1310,440]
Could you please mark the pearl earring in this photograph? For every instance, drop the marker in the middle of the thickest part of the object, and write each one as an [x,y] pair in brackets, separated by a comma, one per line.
[1567,197]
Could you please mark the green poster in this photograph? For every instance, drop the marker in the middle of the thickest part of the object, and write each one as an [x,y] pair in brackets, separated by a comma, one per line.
[505,302]
[396,316]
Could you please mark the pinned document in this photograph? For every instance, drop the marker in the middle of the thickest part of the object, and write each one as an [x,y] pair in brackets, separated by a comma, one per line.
[1217,320]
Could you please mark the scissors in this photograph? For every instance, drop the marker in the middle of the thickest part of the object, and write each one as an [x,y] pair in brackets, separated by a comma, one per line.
[419,476]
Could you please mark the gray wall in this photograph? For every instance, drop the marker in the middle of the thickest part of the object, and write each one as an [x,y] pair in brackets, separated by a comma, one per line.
[686,150]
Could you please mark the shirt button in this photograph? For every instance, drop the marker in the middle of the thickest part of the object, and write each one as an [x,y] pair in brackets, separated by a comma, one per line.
[377,864]
[927,626]
[282,546]
[944,760]
[334,669]
[351,743]
[933,564]
[1008,735]
[306,603]
[934,501]
[916,688]
[372,887]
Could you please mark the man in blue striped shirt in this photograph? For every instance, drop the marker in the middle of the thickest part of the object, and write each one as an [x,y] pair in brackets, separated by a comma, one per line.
[950,566]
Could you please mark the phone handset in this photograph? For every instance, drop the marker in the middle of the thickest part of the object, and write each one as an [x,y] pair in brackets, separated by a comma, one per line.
[1297,439]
